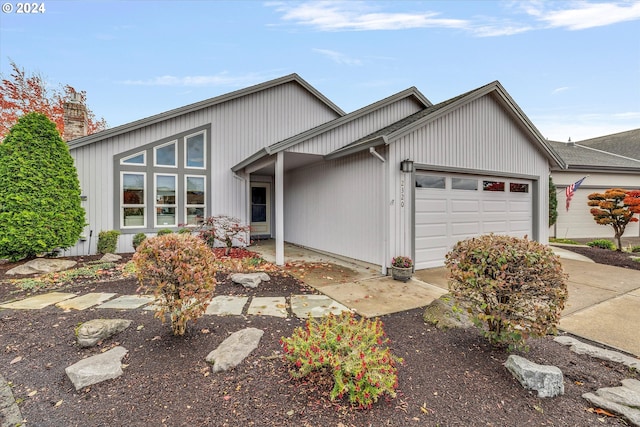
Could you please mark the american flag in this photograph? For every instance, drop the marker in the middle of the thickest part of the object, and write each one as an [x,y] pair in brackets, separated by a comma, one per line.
[571,189]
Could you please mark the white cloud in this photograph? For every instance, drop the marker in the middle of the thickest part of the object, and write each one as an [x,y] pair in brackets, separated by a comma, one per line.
[560,89]
[338,58]
[582,15]
[358,16]
[221,79]
[579,127]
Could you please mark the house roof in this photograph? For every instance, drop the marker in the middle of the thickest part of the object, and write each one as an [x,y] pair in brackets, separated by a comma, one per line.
[625,144]
[290,142]
[580,157]
[200,105]
[410,123]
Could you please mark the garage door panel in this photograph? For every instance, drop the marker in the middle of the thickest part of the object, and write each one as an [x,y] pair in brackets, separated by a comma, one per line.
[494,206]
[444,217]
[465,206]
[431,205]
[465,228]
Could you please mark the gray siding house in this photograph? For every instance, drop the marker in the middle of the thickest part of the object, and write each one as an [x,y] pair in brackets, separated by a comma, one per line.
[398,177]
[611,161]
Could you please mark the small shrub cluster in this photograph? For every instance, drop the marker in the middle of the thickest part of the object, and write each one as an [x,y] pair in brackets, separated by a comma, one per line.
[353,351]
[137,239]
[515,287]
[180,271]
[108,241]
[602,244]
[635,249]
[164,232]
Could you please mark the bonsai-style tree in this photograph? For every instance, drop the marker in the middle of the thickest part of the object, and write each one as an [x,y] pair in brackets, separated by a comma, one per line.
[615,207]
[39,190]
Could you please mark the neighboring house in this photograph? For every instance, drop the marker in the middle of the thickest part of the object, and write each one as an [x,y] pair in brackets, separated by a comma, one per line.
[603,170]
[626,144]
[284,159]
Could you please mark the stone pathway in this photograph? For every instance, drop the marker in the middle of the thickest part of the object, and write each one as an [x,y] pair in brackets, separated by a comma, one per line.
[301,306]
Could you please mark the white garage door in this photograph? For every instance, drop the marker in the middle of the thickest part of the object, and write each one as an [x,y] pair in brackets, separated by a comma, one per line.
[453,207]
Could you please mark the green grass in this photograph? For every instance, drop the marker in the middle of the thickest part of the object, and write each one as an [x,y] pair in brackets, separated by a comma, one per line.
[565,241]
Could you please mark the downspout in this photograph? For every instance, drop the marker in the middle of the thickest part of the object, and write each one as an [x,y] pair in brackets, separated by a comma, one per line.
[385,244]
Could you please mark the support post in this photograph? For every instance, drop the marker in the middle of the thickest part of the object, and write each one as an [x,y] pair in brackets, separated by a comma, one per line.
[279,208]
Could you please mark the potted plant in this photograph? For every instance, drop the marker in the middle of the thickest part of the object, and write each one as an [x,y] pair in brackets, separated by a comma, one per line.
[401,268]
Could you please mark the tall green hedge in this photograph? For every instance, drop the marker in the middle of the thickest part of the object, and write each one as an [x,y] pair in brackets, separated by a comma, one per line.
[39,190]
[553,203]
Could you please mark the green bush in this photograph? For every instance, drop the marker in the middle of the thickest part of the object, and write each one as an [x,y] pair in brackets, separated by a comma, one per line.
[40,207]
[108,241]
[354,351]
[515,287]
[602,244]
[185,230]
[180,271]
[137,239]
[164,232]
[635,249]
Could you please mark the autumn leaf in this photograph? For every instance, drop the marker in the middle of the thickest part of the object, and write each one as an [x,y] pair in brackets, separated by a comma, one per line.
[15,360]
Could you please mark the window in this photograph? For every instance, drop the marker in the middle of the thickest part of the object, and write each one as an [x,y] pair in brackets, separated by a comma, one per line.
[430,181]
[163,184]
[165,194]
[195,151]
[492,186]
[136,159]
[166,154]
[515,187]
[464,184]
[195,197]
[133,190]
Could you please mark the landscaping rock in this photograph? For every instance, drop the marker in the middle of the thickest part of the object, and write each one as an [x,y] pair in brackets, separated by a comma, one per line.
[98,368]
[623,400]
[232,351]
[10,414]
[91,332]
[249,280]
[601,353]
[547,380]
[41,266]
[110,258]
[443,315]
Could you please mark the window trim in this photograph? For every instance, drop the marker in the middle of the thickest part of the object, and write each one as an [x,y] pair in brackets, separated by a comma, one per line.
[186,198]
[124,206]
[143,153]
[204,150]
[175,154]
[157,205]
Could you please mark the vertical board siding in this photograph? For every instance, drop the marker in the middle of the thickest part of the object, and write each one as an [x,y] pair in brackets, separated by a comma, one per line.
[358,128]
[476,136]
[336,207]
[239,128]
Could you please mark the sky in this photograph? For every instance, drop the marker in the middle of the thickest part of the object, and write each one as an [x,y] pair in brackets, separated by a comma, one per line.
[573,67]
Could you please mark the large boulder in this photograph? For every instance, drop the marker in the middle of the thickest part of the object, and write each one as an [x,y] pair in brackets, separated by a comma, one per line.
[42,266]
[445,313]
[547,380]
[98,368]
[91,332]
[232,351]
[249,280]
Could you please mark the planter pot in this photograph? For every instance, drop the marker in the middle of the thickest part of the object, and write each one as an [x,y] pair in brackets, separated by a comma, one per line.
[402,274]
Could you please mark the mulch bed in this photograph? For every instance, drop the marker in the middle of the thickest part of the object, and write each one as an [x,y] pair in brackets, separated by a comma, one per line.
[449,378]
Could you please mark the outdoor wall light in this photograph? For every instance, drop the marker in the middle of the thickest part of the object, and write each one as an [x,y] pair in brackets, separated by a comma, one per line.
[406,166]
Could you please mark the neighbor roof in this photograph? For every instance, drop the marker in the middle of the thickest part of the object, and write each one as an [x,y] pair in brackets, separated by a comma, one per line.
[624,143]
[580,157]
[200,105]
[408,124]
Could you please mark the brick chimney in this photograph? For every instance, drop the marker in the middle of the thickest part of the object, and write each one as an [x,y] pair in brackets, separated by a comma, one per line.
[75,118]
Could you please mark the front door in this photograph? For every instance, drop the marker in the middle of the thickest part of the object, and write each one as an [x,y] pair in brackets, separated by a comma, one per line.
[260,209]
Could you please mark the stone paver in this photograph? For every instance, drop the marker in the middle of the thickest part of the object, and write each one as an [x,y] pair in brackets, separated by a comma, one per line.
[39,301]
[127,302]
[304,306]
[268,306]
[85,301]
[226,305]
